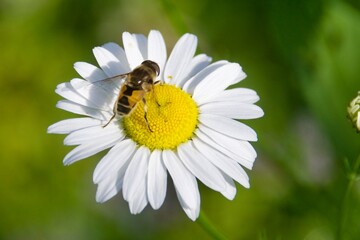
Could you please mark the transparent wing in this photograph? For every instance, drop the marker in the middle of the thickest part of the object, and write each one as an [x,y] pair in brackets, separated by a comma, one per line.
[112,84]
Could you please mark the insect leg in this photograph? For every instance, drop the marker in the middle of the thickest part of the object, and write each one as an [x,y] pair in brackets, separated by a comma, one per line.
[145,115]
[114,114]
[159,81]
[112,117]
[153,91]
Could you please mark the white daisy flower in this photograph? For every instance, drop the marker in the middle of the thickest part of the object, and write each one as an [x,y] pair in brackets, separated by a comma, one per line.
[191,116]
[353,112]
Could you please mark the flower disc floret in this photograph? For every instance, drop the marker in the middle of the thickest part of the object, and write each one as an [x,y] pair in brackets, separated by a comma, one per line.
[172,116]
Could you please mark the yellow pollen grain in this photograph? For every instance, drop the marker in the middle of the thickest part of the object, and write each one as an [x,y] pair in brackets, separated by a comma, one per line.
[172,116]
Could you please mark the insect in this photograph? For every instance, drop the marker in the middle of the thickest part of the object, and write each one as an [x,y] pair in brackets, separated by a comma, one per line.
[137,83]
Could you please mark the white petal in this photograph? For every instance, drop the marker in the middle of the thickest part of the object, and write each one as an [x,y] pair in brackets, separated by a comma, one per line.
[192,213]
[69,125]
[157,50]
[228,126]
[142,44]
[95,133]
[95,96]
[134,186]
[109,187]
[114,160]
[191,84]
[132,50]
[227,165]
[110,86]
[89,72]
[180,58]
[185,184]
[230,190]
[197,64]
[215,144]
[140,200]
[76,83]
[108,62]
[241,77]
[82,110]
[66,91]
[240,95]
[119,53]
[217,81]
[233,110]
[110,171]
[89,149]
[201,167]
[157,180]
[239,147]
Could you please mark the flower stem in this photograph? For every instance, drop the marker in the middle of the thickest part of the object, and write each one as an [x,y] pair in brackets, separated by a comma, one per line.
[352,176]
[208,227]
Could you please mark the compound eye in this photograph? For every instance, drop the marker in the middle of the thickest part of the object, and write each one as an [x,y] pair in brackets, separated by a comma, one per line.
[156,67]
[153,65]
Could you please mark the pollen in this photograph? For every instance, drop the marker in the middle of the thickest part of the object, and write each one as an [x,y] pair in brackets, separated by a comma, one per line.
[172,118]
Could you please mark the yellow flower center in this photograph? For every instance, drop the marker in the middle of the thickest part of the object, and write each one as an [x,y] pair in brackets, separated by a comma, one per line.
[172,116]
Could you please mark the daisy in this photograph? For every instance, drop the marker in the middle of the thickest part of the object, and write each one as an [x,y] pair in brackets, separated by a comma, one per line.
[194,134]
[353,112]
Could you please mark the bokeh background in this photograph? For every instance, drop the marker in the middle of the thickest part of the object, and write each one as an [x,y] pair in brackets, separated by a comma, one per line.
[303,59]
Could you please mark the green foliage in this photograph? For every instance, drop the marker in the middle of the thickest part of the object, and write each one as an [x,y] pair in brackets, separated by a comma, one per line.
[302,57]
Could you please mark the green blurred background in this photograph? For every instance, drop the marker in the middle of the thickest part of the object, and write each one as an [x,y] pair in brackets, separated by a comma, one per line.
[303,59]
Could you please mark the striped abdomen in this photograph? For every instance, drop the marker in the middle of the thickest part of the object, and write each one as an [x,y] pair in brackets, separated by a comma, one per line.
[128,98]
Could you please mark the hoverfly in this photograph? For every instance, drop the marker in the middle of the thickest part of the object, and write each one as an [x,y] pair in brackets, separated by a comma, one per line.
[137,83]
